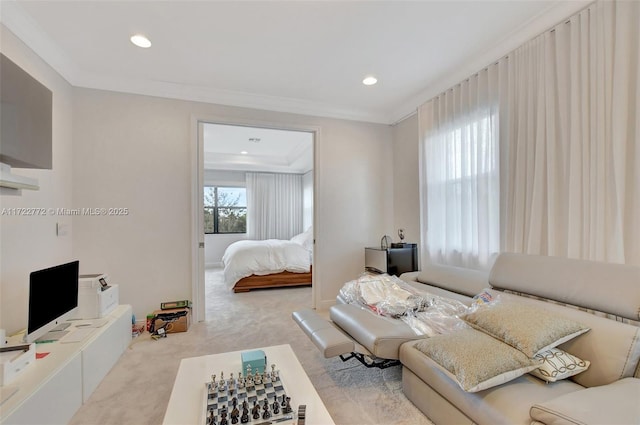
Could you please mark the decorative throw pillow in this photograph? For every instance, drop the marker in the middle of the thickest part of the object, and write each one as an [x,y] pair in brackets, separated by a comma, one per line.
[558,364]
[528,328]
[483,298]
[305,239]
[475,360]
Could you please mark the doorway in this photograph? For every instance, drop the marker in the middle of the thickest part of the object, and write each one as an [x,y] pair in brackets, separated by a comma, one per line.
[226,152]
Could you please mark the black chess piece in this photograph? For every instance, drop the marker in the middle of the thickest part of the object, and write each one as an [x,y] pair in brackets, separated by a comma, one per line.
[245,414]
[287,407]
[212,419]
[275,407]
[284,400]
[255,411]
[266,414]
[223,417]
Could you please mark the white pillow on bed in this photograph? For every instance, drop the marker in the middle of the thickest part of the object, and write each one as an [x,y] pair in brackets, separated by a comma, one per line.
[305,239]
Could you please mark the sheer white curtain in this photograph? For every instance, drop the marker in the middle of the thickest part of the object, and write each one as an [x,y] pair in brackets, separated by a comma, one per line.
[460,173]
[565,110]
[274,205]
[573,183]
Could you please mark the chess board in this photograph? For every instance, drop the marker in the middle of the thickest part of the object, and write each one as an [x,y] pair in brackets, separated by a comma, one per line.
[219,402]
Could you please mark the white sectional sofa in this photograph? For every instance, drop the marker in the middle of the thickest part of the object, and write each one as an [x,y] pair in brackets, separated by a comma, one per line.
[602,297]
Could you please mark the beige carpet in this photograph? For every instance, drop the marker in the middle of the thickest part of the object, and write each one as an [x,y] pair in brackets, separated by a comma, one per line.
[136,391]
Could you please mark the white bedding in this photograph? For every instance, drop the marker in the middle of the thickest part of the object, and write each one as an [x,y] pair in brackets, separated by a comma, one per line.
[247,257]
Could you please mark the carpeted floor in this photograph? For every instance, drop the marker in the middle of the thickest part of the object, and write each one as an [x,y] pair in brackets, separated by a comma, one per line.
[136,391]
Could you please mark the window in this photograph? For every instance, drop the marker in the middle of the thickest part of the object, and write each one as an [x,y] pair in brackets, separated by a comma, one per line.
[225,209]
[462,192]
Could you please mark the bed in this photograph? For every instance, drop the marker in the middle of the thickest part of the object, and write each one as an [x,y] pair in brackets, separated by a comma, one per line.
[271,263]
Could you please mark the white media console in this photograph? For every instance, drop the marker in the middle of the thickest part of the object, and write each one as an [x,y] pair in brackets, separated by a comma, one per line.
[53,389]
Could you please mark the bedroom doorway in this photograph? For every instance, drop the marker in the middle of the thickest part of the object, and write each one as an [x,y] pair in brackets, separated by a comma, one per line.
[230,157]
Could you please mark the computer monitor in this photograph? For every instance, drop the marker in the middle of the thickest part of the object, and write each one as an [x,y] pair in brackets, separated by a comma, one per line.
[53,298]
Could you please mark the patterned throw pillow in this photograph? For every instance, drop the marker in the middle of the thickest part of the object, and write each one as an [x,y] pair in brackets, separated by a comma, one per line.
[526,327]
[475,360]
[558,364]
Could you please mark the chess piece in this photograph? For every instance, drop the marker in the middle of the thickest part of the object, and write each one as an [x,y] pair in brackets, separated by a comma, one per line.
[255,410]
[249,377]
[284,400]
[245,414]
[223,417]
[210,390]
[273,372]
[234,412]
[287,407]
[275,407]
[222,384]
[266,414]
[214,383]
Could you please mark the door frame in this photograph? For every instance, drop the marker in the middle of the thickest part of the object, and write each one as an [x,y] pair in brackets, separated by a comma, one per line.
[197,201]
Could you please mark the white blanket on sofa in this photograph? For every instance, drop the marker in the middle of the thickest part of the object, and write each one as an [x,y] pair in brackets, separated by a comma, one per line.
[247,257]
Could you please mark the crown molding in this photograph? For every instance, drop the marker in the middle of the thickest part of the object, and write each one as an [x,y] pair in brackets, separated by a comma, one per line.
[227,97]
[13,16]
[536,25]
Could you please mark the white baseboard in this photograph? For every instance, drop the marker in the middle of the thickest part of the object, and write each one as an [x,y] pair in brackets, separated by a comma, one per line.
[325,304]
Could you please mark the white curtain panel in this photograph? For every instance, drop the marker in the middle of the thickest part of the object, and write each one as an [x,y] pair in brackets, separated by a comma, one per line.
[460,173]
[274,205]
[572,185]
[565,106]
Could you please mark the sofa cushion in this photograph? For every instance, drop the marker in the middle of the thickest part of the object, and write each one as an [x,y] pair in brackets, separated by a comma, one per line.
[612,347]
[528,328]
[607,287]
[616,403]
[557,365]
[508,403]
[382,336]
[475,360]
[455,279]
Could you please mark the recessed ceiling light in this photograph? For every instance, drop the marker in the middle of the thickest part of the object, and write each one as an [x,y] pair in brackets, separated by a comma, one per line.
[140,41]
[244,152]
[369,80]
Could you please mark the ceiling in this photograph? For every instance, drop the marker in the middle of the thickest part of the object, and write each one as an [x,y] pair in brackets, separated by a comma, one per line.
[305,57]
[231,147]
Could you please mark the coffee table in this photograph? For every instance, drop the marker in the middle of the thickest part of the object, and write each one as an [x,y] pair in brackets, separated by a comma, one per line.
[188,394]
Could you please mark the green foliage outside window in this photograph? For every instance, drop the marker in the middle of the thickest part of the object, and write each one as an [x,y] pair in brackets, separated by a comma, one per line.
[225,209]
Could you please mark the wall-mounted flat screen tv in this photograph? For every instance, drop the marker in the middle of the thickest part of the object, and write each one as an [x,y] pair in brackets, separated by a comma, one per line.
[26,118]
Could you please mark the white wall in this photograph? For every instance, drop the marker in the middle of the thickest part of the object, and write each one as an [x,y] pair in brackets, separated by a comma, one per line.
[406,180]
[29,243]
[135,152]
